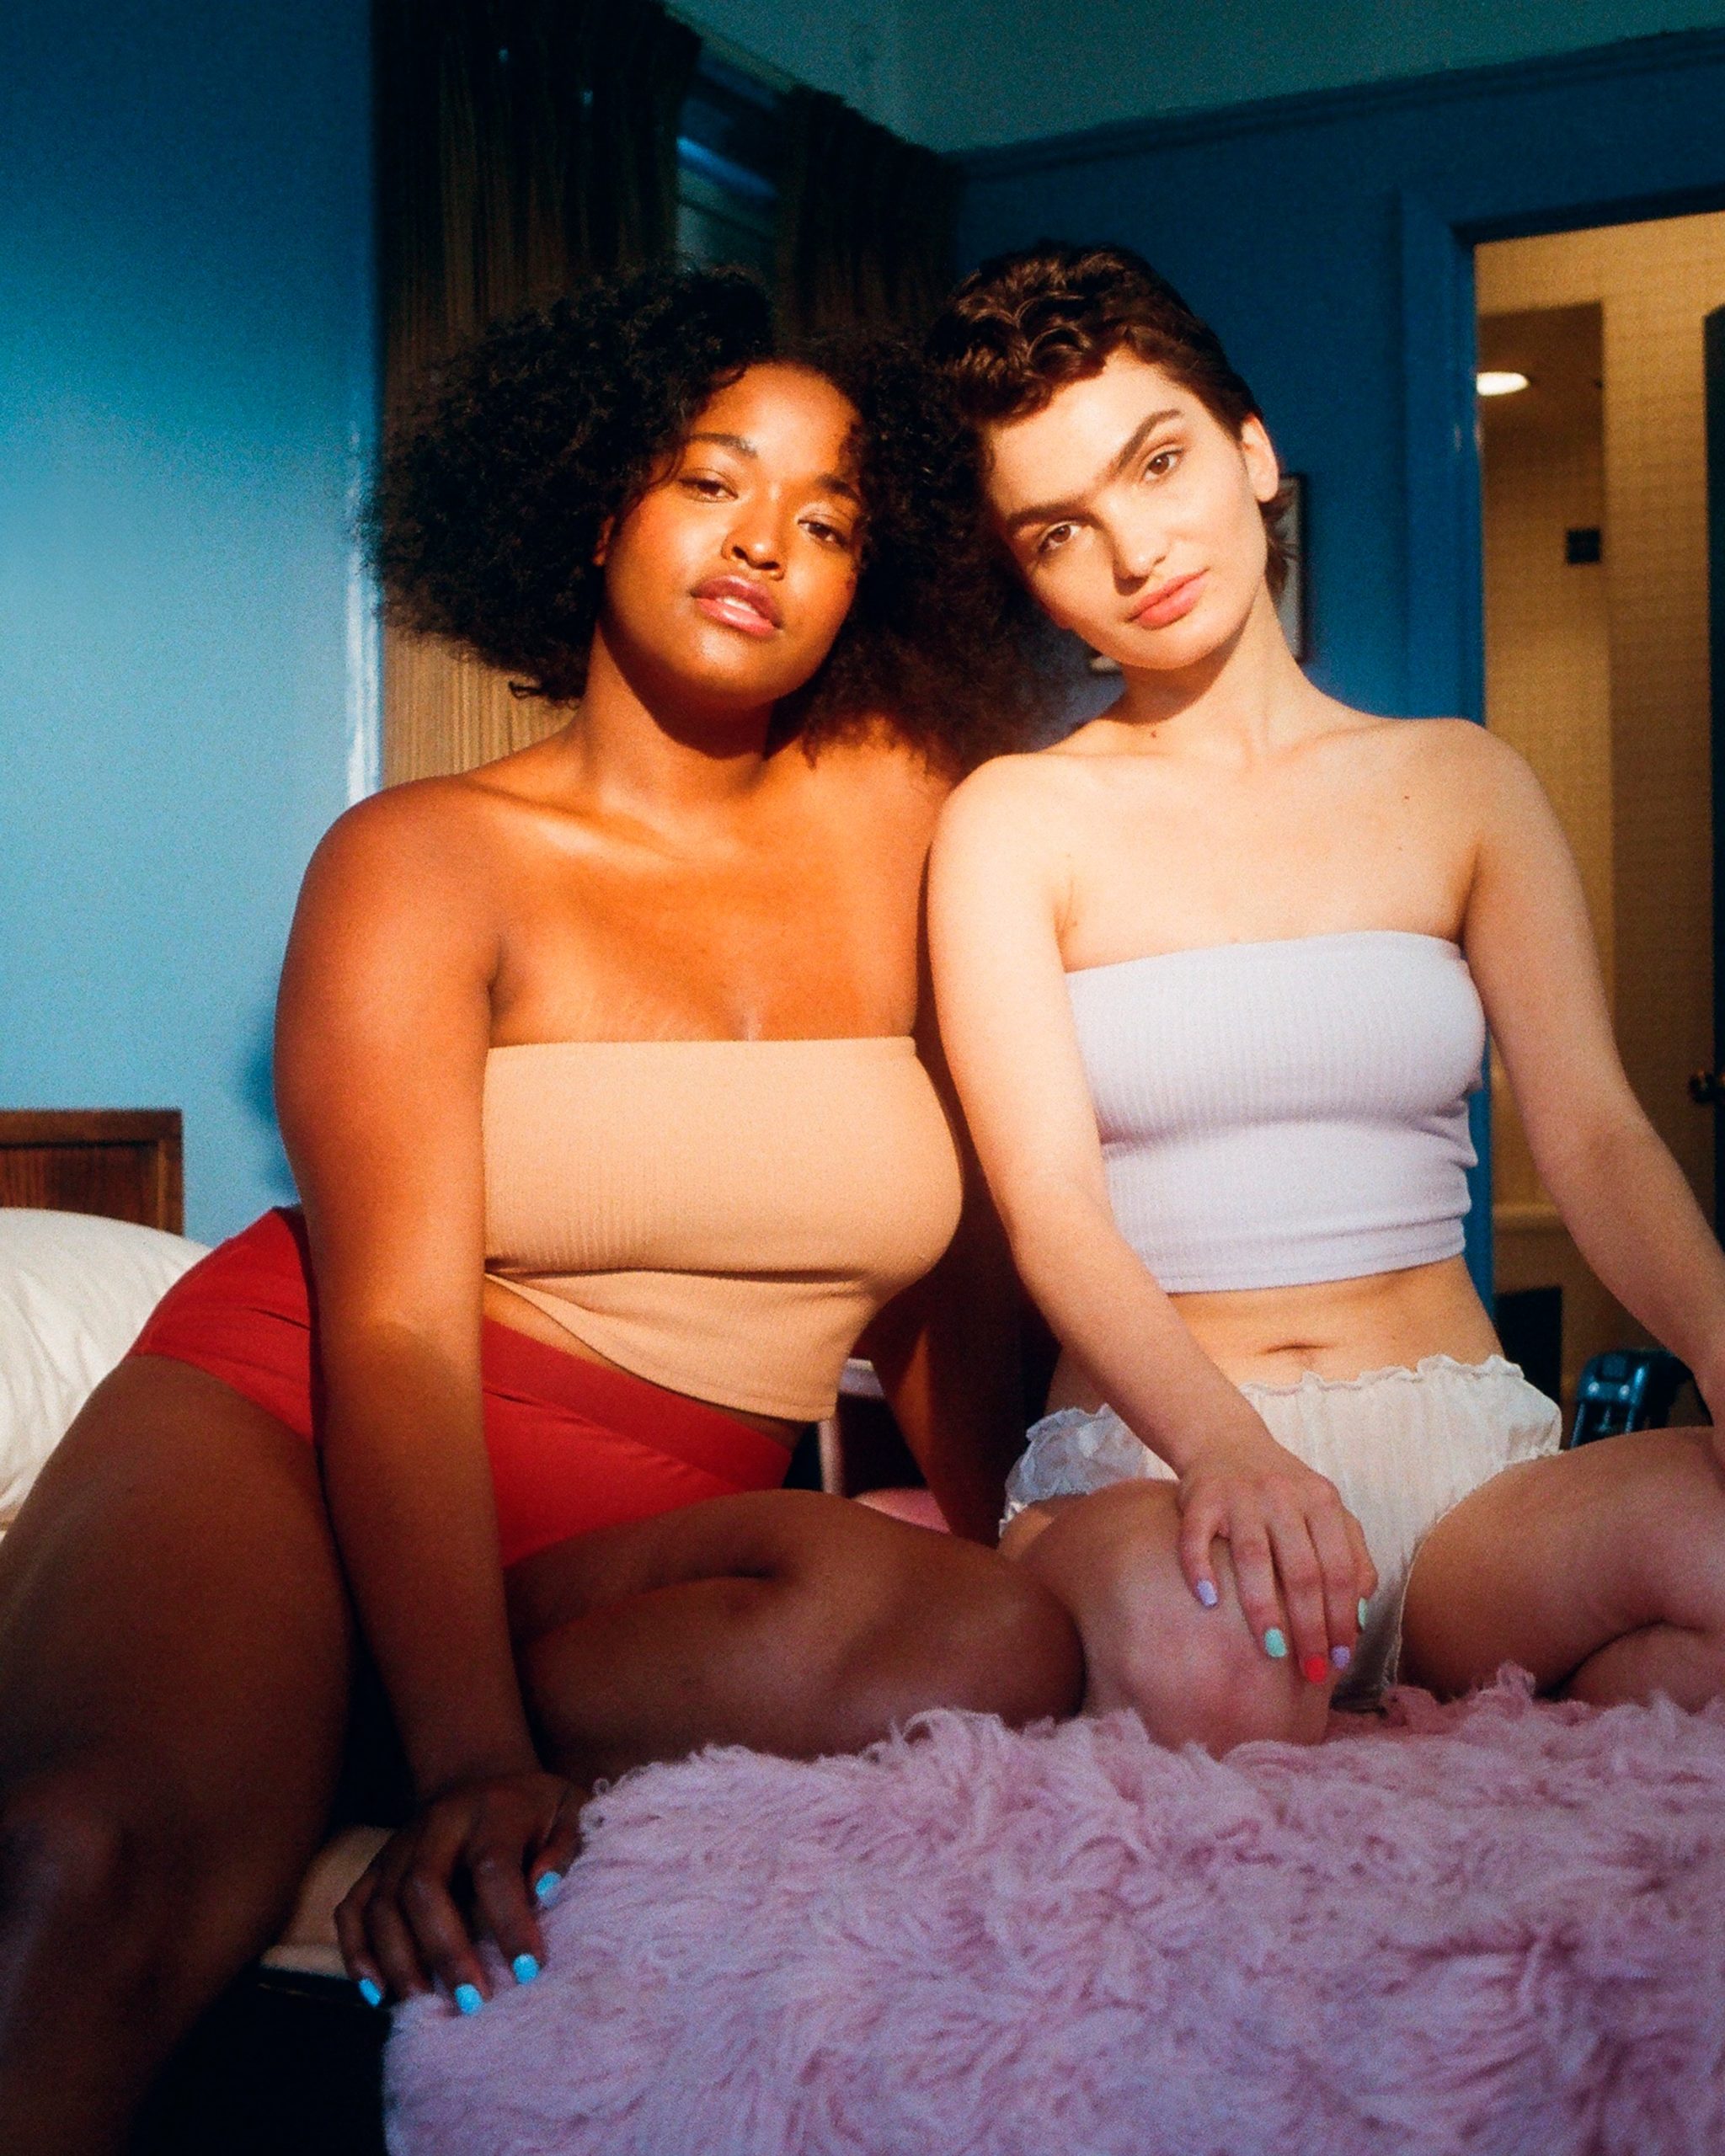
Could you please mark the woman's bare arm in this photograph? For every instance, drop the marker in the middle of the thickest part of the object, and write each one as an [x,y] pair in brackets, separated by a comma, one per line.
[948,1356]
[947,1349]
[996,897]
[383,1027]
[1621,1195]
[998,890]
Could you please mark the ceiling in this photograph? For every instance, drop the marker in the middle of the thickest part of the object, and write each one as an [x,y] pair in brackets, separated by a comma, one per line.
[963,74]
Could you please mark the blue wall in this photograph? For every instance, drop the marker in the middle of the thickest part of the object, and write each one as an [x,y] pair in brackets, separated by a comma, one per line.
[186,386]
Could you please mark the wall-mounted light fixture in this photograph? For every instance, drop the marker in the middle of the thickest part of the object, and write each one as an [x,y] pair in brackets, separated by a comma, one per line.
[1499,382]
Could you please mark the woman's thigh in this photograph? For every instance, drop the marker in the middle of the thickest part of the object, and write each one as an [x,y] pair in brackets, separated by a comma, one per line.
[787,1621]
[1554,1561]
[174,1644]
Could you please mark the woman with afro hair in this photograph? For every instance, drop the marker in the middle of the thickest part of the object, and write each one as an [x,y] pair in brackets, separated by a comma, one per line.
[1259,940]
[597,1069]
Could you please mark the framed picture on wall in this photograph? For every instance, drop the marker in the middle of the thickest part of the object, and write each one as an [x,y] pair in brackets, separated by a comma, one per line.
[1292,608]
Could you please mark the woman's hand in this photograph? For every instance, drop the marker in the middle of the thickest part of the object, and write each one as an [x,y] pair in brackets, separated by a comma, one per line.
[476,1860]
[1282,1521]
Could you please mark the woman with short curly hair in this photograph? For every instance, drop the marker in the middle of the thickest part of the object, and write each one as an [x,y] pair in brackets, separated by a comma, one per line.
[1256,939]
[597,1069]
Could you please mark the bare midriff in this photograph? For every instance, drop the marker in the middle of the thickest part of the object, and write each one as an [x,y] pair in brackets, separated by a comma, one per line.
[521,1316]
[1333,1328]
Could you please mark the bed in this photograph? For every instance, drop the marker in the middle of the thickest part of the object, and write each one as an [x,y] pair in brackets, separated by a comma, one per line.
[1487,1927]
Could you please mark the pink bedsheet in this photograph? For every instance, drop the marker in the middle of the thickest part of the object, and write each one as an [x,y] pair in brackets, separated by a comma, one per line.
[1494,1927]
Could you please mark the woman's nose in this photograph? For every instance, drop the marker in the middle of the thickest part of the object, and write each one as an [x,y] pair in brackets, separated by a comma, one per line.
[755,540]
[1137,555]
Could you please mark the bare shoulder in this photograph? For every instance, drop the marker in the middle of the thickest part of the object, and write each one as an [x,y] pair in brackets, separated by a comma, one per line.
[412,868]
[1019,798]
[1459,767]
[1452,751]
[438,827]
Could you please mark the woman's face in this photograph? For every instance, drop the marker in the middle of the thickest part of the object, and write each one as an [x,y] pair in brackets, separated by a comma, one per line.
[1133,514]
[728,580]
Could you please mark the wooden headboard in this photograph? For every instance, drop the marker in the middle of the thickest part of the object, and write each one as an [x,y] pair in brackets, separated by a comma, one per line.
[124,1163]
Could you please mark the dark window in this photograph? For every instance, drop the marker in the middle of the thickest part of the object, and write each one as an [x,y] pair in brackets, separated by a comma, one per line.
[730,142]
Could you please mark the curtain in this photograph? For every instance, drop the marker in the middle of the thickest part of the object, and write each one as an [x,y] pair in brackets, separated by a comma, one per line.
[521,145]
[865,222]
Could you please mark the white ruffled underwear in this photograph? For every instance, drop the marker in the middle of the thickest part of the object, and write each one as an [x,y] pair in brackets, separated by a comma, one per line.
[1402,1446]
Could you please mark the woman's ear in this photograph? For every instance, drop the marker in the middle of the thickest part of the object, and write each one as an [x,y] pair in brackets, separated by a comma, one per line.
[601,545]
[1263,467]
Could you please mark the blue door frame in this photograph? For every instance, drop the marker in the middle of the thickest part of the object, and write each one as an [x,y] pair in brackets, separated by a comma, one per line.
[1445,616]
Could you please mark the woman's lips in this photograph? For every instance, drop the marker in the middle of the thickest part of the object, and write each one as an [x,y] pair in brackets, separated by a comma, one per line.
[740,604]
[1169,601]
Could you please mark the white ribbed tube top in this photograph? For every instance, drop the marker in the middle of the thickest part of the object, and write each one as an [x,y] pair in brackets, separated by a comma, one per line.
[1278,1114]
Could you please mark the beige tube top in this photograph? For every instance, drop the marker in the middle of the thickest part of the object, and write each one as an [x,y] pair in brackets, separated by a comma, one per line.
[721,1217]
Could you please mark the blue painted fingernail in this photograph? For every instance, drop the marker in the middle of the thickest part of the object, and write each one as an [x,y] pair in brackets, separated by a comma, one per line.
[1363,1612]
[526,1968]
[1340,1657]
[544,1888]
[1274,1645]
[467,1998]
[1206,1592]
[372,1993]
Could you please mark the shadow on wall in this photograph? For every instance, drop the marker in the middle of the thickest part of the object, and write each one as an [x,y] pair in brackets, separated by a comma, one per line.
[257,1095]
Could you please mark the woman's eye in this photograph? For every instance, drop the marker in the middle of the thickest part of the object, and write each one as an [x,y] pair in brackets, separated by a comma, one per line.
[1159,465]
[1056,536]
[706,485]
[830,535]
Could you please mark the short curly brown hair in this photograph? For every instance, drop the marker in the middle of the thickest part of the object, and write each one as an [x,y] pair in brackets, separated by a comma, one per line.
[517,451]
[1025,323]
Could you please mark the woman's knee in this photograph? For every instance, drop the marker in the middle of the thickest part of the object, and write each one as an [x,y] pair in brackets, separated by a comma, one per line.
[1193,1675]
[65,1849]
[107,1875]
[85,1886]
[1202,1677]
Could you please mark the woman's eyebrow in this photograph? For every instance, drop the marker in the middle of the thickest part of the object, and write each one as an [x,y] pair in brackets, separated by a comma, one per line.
[830,483]
[1050,512]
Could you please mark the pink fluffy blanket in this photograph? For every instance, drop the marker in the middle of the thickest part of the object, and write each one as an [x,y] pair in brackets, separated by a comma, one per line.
[1494,1927]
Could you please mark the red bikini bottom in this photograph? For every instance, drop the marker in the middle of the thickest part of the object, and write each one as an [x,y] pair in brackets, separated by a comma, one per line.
[573,1446]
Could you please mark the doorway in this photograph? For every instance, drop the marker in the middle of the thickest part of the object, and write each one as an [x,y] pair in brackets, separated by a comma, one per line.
[1595,539]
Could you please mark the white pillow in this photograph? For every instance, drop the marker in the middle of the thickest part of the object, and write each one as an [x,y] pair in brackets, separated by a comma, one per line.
[74,1293]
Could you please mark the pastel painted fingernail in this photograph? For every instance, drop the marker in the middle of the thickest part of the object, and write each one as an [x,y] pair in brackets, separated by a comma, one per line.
[467,1998]
[1341,1657]
[1206,1592]
[544,1888]
[1365,1611]
[1315,1669]
[1274,1645]
[372,1993]
[526,1967]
